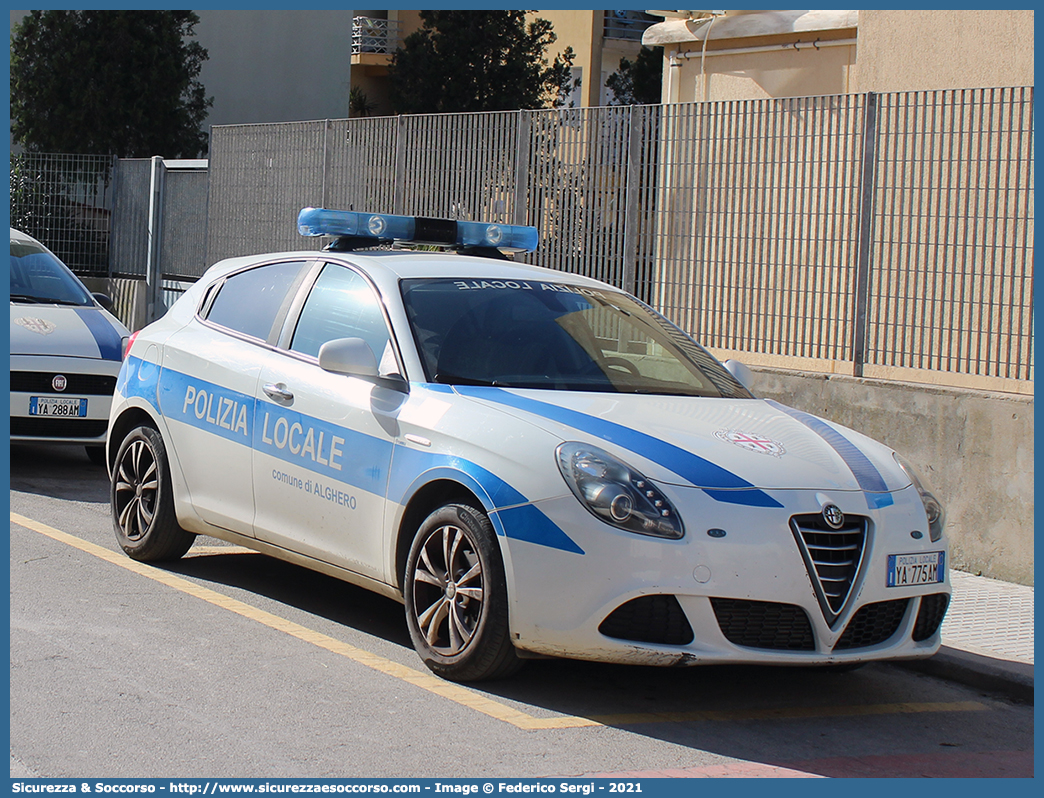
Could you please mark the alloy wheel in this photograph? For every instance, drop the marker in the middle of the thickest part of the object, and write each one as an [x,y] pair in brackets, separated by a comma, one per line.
[136,489]
[448,590]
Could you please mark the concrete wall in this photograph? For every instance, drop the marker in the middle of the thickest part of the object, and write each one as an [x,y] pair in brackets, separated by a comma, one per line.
[276,66]
[974,448]
[933,49]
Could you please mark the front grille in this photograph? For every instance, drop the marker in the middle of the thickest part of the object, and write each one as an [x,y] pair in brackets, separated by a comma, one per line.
[58,427]
[649,619]
[873,624]
[930,616]
[78,384]
[764,624]
[832,557]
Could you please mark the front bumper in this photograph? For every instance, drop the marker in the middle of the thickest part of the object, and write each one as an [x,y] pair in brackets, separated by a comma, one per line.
[90,379]
[745,597]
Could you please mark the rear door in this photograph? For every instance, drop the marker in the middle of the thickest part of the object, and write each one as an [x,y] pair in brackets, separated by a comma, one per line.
[208,383]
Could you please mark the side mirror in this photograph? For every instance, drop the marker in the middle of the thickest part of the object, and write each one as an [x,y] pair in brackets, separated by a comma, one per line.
[351,356]
[744,376]
[104,300]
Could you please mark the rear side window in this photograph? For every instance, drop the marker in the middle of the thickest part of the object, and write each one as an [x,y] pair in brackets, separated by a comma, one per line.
[250,302]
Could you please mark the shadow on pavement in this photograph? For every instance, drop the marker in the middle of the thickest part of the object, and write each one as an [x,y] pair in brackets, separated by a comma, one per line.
[859,723]
[61,472]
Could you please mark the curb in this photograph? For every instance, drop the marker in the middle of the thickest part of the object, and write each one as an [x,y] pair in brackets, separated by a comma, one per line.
[1013,679]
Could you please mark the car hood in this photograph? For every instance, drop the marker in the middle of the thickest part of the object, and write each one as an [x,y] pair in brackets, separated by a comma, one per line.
[66,331]
[714,444]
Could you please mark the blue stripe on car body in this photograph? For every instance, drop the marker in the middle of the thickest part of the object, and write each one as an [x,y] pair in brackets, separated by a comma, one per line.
[866,474]
[241,419]
[110,342]
[717,482]
[412,468]
[139,378]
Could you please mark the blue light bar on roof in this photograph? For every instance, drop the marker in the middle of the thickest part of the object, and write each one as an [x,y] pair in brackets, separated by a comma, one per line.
[384,227]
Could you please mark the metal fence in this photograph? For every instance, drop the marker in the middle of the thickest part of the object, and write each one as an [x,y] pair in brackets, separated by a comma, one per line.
[181,192]
[951,280]
[872,234]
[65,201]
[880,234]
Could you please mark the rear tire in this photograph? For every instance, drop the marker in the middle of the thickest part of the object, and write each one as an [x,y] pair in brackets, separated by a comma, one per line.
[456,597]
[142,500]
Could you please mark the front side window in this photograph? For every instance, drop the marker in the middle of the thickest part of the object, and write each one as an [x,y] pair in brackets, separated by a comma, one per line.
[342,304]
[37,276]
[249,302]
[529,334]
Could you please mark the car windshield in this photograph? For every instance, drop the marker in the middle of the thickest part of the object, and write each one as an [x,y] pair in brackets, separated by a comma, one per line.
[558,336]
[37,276]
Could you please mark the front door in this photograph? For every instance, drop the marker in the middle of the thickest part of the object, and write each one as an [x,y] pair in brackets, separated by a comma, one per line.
[322,441]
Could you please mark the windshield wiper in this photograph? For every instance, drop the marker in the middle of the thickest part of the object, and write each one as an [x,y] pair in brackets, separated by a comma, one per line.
[44,300]
[445,378]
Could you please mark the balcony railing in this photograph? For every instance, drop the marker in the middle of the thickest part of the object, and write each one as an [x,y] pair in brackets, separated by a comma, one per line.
[627,25]
[371,35]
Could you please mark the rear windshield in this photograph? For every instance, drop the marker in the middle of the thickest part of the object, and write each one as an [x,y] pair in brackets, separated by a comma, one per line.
[556,336]
[37,276]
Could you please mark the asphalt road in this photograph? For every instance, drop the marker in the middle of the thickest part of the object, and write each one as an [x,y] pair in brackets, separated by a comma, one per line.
[231,664]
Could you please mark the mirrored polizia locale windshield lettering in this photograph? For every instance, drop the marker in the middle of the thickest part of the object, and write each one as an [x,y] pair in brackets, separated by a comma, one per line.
[529,334]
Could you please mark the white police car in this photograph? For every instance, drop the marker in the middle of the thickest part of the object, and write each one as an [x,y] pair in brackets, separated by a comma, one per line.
[534,462]
[65,352]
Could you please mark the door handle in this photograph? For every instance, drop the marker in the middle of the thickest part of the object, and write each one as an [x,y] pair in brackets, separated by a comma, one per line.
[278,391]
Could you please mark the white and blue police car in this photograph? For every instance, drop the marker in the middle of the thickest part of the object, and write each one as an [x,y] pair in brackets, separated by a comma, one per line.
[534,463]
[66,350]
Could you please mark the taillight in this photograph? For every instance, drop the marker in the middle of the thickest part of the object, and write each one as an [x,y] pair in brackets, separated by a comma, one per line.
[128,343]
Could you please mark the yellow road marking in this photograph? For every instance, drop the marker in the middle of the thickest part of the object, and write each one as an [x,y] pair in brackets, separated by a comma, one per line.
[455,692]
[197,550]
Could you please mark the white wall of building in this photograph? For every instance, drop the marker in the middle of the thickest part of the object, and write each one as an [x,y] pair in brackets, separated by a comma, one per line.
[276,66]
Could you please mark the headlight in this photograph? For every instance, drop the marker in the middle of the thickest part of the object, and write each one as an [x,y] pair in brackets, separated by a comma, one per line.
[932,506]
[616,493]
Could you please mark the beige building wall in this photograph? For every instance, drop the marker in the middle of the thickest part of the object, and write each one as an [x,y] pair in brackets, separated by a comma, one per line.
[745,55]
[928,50]
[753,55]
[758,76]
[581,30]
[595,57]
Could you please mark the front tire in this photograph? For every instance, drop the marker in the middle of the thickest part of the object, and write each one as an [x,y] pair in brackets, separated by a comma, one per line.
[142,500]
[456,597]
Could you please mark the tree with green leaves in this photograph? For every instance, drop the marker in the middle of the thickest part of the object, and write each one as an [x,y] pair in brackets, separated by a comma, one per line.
[638,82]
[108,83]
[462,61]
[359,104]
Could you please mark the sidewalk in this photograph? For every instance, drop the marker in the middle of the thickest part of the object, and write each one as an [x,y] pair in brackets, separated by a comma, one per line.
[987,637]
